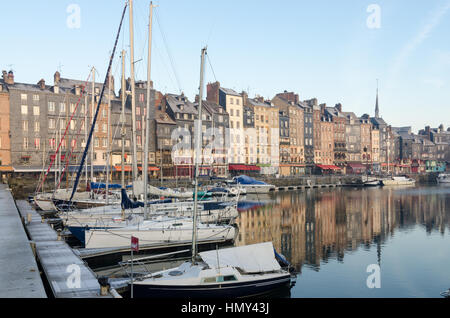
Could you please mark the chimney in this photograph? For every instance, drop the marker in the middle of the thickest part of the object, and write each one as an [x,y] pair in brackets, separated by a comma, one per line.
[212,92]
[8,79]
[5,75]
[244,97]
[56,78]
[339,107]
[41,84]
[77,90]
[322,108]
[197,98]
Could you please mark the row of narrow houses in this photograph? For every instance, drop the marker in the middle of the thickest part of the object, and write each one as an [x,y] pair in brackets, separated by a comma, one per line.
[283,136]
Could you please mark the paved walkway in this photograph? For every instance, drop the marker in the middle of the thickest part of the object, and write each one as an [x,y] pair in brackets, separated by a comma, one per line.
[19,274]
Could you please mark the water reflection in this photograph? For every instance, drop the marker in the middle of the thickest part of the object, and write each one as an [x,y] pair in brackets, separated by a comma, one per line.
[310,228]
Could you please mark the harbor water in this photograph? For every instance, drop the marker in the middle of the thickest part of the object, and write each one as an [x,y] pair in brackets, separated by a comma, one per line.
[356,242]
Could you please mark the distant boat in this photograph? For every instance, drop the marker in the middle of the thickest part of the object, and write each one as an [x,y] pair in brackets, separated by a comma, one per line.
[394,181]
[372,182]
[234,272]
[252,185]
[443,178]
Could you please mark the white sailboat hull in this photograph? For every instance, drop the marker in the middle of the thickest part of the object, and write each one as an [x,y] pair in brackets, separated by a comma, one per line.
[117,238]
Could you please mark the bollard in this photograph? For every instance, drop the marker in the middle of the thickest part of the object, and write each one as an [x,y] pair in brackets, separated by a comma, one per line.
[29,218]
[33,248]
[104,285]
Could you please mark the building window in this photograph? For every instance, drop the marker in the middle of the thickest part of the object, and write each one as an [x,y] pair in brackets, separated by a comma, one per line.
[138,111]
[141,97]
[37,126]
[62,124]
[96,143]
[25,143]
[51,123]
[25,125]
[105,128]
[24,110]
[24,97]
[36,110]
[51,107]
[36,98]
[72,107]
[62,107]
[72,124]
[37,143]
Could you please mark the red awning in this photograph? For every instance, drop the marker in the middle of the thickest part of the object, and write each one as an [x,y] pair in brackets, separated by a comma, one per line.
[328,167]
[126,168]
[243,168]
[149,168]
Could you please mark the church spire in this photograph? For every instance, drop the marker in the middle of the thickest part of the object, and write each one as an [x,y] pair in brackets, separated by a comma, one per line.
[377,110]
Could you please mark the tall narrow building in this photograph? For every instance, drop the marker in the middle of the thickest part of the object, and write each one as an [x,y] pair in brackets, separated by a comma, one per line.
[377,109]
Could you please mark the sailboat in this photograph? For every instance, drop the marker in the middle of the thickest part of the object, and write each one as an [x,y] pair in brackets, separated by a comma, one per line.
[159,228]
[232,272]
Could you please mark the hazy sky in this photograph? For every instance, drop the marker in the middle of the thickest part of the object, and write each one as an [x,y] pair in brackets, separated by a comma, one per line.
[332,50]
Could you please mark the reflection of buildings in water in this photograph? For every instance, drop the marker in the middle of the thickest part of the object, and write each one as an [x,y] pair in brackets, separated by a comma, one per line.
[313,226]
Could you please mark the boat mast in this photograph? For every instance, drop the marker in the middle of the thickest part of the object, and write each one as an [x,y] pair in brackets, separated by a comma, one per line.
[133,95]
[122,119]
[108,150]
[147,124]
[198,156]
[92,116]
[85,133]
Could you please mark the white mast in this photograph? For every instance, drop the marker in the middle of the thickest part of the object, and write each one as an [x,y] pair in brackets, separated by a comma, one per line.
[108,150]
[147,125]
[198,156]
[133,94]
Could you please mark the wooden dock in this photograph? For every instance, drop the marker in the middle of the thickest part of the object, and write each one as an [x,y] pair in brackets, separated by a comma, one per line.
[304,187]
[67,274]
[19,273]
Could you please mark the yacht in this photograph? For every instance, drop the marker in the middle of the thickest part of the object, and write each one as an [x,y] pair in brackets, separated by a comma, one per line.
[234,272]
[443,178]
[252,186]
[394,181]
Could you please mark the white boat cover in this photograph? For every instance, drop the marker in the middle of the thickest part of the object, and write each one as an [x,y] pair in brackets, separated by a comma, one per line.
[170,193]
[256,258]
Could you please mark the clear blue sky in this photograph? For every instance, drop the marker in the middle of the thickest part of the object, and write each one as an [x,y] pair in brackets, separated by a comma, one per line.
[320,49]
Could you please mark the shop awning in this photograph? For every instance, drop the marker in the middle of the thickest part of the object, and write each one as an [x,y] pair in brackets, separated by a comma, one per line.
[150,168]
[6,169]
[243,168]
[125,168]
[328,167]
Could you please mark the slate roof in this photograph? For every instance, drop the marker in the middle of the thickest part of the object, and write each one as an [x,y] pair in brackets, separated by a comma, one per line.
[229,91]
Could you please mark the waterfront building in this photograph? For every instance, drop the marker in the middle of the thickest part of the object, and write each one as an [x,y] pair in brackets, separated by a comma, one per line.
[366,142]
[232,103]
[293,162]
[326,153]
[308,136]
[5,141]
[216,138]
[266,124]
[340,148]
[353,141]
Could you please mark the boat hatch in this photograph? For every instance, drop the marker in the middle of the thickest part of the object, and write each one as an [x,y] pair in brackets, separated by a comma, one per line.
[219,279]
[176,273]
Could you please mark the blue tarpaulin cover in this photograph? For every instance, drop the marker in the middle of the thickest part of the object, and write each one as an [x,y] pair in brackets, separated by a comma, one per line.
[247,180]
